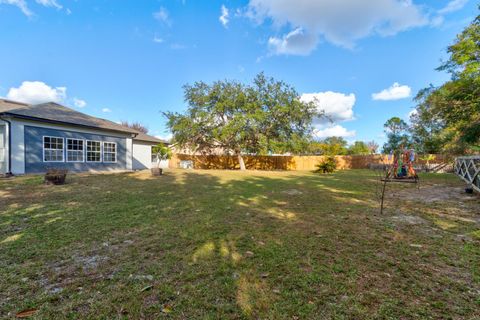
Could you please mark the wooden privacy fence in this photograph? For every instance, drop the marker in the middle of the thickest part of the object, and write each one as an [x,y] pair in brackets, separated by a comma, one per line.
[286,162]
[468,168]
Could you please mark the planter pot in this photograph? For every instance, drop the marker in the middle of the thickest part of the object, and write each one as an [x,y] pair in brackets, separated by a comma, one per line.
[55,176]
[156,171]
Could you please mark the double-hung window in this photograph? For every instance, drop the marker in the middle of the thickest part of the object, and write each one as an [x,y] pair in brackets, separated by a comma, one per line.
[109,152]
[75,150]
[94,151]
[52,149]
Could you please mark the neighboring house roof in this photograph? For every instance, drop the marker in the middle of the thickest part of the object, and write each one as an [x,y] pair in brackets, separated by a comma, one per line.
[147,138]
[54,112]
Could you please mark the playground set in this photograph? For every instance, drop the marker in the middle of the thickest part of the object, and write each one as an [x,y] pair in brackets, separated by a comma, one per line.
[402,169]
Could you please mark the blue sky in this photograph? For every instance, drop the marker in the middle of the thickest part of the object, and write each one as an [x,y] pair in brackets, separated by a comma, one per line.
[128,60]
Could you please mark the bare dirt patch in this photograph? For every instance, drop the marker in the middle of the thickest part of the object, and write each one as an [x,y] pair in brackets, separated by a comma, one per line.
[90,262]
[436,193]
[407,219]
[448,205]
[293,192]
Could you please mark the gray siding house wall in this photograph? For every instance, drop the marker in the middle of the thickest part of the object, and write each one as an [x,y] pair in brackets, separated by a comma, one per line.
[35,138]
[34,151]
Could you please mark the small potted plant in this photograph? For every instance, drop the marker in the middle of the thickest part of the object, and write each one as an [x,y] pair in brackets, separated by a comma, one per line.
[55,176]
[162,153]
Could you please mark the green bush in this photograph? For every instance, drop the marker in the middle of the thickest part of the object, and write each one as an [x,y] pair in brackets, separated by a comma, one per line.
[328,165]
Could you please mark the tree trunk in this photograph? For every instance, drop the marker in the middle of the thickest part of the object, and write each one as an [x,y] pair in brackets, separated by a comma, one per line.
[240,160]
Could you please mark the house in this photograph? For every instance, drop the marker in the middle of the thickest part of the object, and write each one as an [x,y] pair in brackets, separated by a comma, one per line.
[34,138]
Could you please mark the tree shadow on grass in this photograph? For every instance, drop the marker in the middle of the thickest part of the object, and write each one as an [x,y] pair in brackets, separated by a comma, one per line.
[219,245]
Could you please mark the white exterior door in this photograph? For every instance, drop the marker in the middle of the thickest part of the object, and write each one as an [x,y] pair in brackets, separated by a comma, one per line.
[3,156]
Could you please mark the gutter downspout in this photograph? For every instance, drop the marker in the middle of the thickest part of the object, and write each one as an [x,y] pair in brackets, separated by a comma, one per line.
[132,157]
[9,168]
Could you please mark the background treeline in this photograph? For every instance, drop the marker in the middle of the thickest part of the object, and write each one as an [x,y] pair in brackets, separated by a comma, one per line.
[447,117]
[338,146]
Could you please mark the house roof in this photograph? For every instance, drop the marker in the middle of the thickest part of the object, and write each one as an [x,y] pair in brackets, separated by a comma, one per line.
[54,112]
[147,138]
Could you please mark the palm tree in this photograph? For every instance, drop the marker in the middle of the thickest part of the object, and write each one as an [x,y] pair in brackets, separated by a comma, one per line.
[161,152]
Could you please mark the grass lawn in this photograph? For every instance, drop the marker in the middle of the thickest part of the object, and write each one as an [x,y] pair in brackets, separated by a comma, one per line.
[234,245]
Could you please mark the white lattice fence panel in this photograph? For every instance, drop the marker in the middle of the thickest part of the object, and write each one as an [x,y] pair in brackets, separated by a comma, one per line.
[468,168]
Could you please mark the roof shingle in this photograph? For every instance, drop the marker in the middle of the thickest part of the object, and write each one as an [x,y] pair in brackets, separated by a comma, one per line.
[55,112]
[148,138]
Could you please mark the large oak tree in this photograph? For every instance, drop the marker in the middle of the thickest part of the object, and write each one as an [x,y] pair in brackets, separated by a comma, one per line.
[264,117]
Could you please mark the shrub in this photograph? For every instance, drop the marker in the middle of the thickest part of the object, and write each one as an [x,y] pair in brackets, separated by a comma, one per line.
[328,165]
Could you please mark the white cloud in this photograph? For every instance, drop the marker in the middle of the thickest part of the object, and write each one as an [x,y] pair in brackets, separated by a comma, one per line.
[162,15]
[395,92]
[37,92]
[382,135]
[167,137]
[452,6]
[21,4]
[79,103]
[177,46]
[224,17]
[157,39]
[337,106]
[333,131]
[106,110]
[412,113]
[437,21]
[297,42]
[49,3]
[341,22]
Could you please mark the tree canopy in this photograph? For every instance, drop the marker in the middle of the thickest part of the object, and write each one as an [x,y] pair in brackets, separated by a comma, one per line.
[334,146]
[448,116]
[264,117]
[135,125]
[161,152]
[372,146]
[397,134]
[358,148]
[338,146]
[330,146]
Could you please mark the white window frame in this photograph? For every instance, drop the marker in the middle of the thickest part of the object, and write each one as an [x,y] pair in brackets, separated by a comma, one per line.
[83,150]
[86,151]
[103,152]
[43,149]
